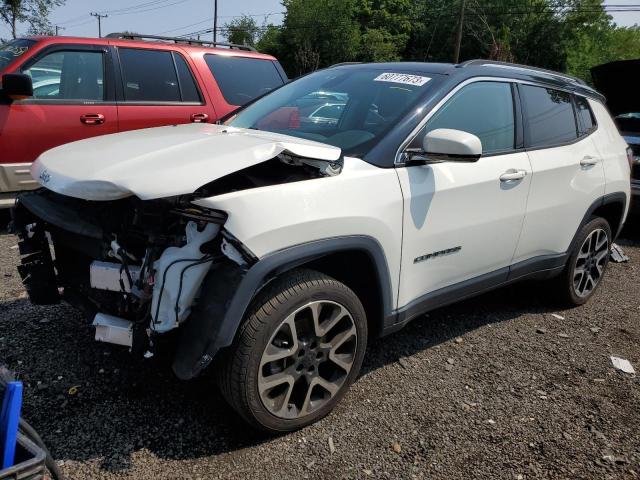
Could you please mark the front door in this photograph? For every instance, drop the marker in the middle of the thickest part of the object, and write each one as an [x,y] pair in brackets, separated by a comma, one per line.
[462,221]
[71,101]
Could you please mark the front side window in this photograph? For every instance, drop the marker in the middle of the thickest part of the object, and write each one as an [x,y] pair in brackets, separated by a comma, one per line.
[484,109]
[68,75]
[549,117]
[241,79]
[585,115]
[11,50]
[350,108]
[149,76]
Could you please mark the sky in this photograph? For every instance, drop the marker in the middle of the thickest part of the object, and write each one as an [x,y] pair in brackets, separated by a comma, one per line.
[178,17]
[165,17]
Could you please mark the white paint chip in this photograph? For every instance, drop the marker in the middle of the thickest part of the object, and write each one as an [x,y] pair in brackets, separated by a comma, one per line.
[623,365]
[415,80]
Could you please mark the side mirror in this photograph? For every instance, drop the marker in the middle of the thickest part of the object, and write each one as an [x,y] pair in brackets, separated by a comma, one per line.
[447,145]
[17,86]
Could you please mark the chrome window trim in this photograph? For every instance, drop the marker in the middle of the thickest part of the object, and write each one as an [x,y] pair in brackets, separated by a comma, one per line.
[398,162]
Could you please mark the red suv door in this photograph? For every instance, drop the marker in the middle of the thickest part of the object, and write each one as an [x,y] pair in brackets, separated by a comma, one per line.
[158,88]
[73,99]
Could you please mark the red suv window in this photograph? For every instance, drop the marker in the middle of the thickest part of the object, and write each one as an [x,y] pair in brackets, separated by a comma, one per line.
[236,77]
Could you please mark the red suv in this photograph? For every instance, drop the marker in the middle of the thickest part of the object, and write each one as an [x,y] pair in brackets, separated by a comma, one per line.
[57,90]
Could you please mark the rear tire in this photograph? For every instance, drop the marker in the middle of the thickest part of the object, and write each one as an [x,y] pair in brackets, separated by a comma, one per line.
[296,353]
[587,263]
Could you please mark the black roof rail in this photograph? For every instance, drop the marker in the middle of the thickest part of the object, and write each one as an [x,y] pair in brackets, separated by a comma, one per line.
[480,62]
[187,41]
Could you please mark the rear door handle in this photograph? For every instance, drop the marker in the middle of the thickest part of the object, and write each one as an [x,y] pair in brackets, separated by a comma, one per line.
[588,161]
[513,175]
[92,118]
[199,118]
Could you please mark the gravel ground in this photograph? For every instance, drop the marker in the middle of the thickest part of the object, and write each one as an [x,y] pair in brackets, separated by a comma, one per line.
[494,387]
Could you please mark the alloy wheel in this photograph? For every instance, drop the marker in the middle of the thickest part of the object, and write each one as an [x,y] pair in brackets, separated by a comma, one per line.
[307,359]
[590,262]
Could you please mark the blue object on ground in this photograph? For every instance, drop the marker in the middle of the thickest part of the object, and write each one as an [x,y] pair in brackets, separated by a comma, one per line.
[9,420]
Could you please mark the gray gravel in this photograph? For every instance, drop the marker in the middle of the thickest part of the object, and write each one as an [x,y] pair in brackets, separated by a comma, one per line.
[494,387]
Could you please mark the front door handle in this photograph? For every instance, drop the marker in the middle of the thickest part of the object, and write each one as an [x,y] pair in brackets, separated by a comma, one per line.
[199,118]
[92,118]
[588,161]
[513,175]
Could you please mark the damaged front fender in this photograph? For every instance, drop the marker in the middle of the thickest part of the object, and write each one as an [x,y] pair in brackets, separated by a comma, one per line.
[228,291]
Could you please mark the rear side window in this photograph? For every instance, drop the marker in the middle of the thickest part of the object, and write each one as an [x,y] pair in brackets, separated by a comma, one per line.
[484,109]
[149,76]
[241,79]
[68,75]
[549,116]
[586,120]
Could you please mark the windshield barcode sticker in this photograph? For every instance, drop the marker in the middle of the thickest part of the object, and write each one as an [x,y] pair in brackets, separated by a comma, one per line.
[416,80]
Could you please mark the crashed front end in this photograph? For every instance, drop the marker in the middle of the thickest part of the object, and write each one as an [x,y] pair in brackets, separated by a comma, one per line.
[134,267]
[142,264]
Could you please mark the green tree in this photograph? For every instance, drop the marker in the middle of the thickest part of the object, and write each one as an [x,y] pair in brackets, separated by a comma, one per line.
[385,28]
[243,31]
[33,12]
[318,33]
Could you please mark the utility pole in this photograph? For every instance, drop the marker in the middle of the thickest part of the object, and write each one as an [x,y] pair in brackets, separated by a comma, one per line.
[58,29]
[456,55]
[215,19]
[99,17]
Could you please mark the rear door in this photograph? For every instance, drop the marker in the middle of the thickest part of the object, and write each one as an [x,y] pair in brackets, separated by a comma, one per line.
[73,99]
[568,173]
[157,87]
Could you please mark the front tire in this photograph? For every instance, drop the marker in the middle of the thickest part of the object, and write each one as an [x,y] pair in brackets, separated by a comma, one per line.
[296,353]
[587,263]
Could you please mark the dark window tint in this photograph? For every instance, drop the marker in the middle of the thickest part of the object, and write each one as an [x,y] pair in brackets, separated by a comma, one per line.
[482,108]
[187,83]
[549,116]
[149,76]
[585,115]
[68,75]
[242,79]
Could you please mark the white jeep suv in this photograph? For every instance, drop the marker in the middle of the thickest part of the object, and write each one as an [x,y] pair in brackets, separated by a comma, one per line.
[279,245]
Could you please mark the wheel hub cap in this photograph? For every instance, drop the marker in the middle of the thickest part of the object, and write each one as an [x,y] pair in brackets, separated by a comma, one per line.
[307,359]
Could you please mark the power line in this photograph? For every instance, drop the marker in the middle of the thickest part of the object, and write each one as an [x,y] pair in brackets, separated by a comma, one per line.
[99,17]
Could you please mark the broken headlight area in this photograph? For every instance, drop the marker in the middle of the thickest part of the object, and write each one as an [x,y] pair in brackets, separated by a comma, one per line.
[135,267]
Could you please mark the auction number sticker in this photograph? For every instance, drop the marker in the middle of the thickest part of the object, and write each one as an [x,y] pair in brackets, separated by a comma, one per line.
[415,80]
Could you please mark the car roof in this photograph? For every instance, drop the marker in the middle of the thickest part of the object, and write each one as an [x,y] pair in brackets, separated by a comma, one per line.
[161,43]
[488,68]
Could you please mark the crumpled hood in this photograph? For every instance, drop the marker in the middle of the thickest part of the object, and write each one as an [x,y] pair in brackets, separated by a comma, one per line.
[164,161]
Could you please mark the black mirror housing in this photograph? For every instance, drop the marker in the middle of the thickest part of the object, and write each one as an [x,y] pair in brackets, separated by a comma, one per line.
[17,86]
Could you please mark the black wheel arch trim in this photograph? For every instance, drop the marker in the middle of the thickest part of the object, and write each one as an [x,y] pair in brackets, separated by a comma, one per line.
[202,339]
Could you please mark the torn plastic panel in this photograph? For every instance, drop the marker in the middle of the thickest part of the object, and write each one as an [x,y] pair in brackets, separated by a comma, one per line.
[179,272]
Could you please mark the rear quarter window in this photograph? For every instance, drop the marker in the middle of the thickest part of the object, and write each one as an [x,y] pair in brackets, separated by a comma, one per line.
[587,121]
[241,79]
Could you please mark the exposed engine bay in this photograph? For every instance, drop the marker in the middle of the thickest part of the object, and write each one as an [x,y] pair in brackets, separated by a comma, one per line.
[134,267]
